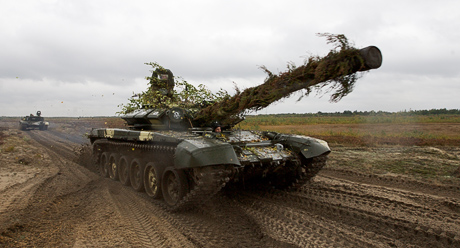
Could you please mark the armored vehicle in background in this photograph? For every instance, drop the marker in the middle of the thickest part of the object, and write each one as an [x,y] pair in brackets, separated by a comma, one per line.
[33,122]
[186,155]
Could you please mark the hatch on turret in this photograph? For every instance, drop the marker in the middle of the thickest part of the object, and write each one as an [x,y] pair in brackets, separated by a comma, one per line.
[145,119]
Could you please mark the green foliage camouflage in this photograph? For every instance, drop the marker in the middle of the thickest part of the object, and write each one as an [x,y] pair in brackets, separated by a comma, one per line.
[184,95]
[337,72]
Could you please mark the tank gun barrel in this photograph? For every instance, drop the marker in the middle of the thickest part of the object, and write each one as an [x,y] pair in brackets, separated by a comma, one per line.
[335,67]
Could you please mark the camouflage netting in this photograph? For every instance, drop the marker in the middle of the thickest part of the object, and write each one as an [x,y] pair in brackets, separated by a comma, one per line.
[337,71]
[174,92]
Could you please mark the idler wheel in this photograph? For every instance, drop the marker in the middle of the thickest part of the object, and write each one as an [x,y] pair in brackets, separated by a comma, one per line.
[152,179]
[136,172]
[174,186]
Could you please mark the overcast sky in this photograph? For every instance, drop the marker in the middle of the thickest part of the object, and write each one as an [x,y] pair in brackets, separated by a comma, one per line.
[84,58]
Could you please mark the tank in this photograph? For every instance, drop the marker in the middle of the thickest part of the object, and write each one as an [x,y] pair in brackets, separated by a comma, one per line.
[184,156]
[33,122]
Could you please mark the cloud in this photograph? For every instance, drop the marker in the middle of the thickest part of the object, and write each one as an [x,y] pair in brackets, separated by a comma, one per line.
[79,49]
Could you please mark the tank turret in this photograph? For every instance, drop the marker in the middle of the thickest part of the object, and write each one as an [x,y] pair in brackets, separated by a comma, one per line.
[33,122]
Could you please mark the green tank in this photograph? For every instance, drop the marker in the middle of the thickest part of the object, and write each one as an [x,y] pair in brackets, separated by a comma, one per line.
[33,122]
[186,155]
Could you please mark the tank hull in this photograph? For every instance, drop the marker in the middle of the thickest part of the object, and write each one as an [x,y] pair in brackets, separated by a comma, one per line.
[182,146]
[186,168]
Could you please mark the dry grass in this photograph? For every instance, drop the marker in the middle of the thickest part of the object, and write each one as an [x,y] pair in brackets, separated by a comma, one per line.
[407,134]
[436,164]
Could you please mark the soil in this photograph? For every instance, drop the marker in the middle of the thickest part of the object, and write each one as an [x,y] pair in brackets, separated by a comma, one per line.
[51,196]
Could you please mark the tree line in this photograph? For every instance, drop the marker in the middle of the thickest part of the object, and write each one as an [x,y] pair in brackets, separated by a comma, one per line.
[442,111]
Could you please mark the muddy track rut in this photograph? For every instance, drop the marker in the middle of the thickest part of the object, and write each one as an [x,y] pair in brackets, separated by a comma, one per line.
[67,205]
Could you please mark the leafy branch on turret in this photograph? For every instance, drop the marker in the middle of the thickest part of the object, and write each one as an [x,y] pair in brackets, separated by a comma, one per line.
[337,72]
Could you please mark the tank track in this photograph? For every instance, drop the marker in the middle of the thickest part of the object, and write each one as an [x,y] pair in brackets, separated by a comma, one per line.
[308,172]
[207,181]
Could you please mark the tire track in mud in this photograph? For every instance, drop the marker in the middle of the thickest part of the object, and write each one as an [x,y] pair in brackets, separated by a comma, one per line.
[61,211]
[63,152]
[402,203]
[66,176]
[393,181]
[208,226]
[16,193]
[54,143]
[231,226]
[147,221]
[46,194]
[382,219]
[297,226]
[18,197]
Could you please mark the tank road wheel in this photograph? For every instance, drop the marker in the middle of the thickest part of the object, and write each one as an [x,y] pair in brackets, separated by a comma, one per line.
[135,175]
[123,170]
[104,164]
[113,166]
[174,186]
[152,180]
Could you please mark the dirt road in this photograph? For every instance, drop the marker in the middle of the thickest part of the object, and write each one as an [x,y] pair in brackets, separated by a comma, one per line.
[50,200]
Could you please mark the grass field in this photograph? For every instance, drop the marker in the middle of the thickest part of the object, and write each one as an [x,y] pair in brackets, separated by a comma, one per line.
[433,130]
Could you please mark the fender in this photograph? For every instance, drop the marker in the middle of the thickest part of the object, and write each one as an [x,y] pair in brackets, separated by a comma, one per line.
[307,146]
[201,153]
